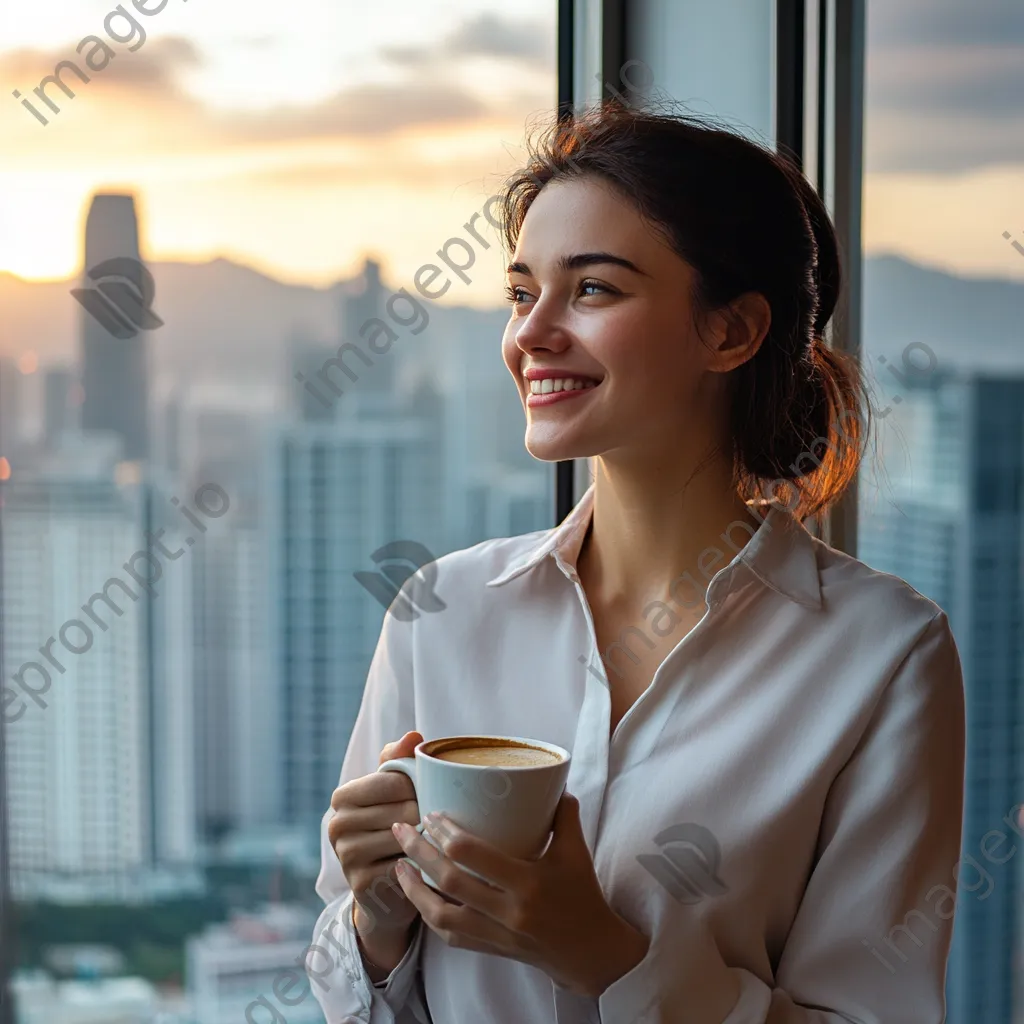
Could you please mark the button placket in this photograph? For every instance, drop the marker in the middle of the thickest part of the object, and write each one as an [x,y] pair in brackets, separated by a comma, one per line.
[588,773]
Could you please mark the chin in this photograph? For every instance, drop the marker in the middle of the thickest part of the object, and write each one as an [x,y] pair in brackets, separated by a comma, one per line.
[557,449]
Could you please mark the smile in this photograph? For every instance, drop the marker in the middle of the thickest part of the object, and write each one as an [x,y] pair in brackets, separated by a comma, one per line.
[557,389]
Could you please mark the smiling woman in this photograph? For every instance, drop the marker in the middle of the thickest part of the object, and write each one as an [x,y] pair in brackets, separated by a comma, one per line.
[98,56]
[730,832]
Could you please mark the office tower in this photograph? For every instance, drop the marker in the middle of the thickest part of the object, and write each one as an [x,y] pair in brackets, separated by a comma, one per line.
[238,721]
[493,487]
[171,691]
[114,368]
[95,756]
[342,491]
[10,406]
[312,397]
[363,301]
[963,545]
[59,408]
[169,439]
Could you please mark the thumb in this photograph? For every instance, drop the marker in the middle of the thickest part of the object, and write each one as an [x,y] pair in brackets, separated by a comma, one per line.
[401,748]
[567,827]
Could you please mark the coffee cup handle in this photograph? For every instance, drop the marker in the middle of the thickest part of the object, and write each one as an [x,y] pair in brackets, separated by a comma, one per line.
[407,766]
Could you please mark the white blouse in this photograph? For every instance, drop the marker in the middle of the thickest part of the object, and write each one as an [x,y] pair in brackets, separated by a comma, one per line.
[779,812]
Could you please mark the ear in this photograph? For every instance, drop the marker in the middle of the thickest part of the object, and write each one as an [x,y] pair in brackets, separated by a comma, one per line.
[738,330]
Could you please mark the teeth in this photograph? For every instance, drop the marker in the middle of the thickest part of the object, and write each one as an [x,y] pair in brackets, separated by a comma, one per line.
[550,384]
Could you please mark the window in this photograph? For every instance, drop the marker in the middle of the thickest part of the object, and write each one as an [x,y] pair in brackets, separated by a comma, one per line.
[941,505]
[285,405]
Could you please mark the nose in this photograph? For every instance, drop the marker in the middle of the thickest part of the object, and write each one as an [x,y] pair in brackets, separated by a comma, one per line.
[542,331]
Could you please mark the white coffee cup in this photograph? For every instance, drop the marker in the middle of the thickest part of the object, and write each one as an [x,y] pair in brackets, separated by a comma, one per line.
[512,807]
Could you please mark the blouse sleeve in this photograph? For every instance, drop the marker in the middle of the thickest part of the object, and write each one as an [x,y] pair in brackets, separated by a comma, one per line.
[871,938]
[337,975]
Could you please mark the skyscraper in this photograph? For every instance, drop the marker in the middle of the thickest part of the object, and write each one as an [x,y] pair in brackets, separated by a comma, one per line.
[99,778]
[342,491]
[114,369]
[363,302]
[58,403]
[10,394]
[957,534]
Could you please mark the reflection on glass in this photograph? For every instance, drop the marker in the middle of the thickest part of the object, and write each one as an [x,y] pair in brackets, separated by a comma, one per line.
[943,505]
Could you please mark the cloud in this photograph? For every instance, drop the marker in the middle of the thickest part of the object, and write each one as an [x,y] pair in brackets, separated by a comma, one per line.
[957,79]
[364,110]
[923,24]
[486,35]
[944,85]
[154,66]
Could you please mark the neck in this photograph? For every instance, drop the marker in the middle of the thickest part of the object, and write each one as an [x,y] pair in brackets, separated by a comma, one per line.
[652,524]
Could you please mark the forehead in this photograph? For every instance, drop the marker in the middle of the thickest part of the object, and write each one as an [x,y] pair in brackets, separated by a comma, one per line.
[581,215]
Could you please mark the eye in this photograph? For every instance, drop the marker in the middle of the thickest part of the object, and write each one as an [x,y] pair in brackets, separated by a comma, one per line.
[596,284]
[514,293]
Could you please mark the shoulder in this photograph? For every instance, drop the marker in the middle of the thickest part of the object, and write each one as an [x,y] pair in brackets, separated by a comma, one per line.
[467,571]
[860,593]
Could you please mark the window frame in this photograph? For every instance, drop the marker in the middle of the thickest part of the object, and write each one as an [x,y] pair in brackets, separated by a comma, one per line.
[818,50]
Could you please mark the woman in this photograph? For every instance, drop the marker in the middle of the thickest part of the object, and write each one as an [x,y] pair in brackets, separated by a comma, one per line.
[762,818]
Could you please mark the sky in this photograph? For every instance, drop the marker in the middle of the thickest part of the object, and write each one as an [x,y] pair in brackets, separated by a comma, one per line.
[299,138]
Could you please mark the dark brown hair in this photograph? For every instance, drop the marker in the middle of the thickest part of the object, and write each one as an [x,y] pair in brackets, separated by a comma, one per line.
[746,219]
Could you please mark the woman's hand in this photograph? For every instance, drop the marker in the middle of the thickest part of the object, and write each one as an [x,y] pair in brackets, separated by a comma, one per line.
[364,843]
[549,912]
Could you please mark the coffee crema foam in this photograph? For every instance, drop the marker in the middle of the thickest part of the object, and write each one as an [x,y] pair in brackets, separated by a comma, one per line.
[496,755]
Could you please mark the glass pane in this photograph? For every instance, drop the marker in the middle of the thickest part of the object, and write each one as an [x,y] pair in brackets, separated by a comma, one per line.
[941,500]
[250,381]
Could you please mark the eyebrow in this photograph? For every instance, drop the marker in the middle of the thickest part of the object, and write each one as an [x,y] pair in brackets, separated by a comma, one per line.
[582,259]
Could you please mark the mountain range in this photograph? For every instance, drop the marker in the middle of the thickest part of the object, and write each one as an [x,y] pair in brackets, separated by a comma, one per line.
[224,322]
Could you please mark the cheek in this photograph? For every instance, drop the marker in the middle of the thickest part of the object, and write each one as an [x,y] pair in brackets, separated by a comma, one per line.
[648,351]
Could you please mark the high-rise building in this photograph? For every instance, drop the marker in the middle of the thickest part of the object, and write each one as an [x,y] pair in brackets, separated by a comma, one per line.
[342,490]
[956,532]
[362,304]
[59,403]
[114,366]
[492,486]
[238,723]
[10,406]
[98,743]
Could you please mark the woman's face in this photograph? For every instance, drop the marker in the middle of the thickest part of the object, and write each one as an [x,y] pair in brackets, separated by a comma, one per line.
[599,297]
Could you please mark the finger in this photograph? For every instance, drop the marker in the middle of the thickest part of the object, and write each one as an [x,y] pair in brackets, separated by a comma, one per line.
[379,816]
[401,748]
[475,853]
[367,847]
[375,788]
[453,880]
[461,927]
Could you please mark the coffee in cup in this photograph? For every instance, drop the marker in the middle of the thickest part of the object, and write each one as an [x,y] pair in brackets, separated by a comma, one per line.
[488,753]
[504,789]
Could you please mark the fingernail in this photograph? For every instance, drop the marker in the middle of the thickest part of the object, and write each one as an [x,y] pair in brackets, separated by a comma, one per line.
[397,829]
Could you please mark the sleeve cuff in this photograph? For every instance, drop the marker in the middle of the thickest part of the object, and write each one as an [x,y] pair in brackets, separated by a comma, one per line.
[396,987]
[395,991]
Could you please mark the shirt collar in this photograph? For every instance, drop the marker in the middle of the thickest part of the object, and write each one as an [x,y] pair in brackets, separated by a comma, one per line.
[780,554]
